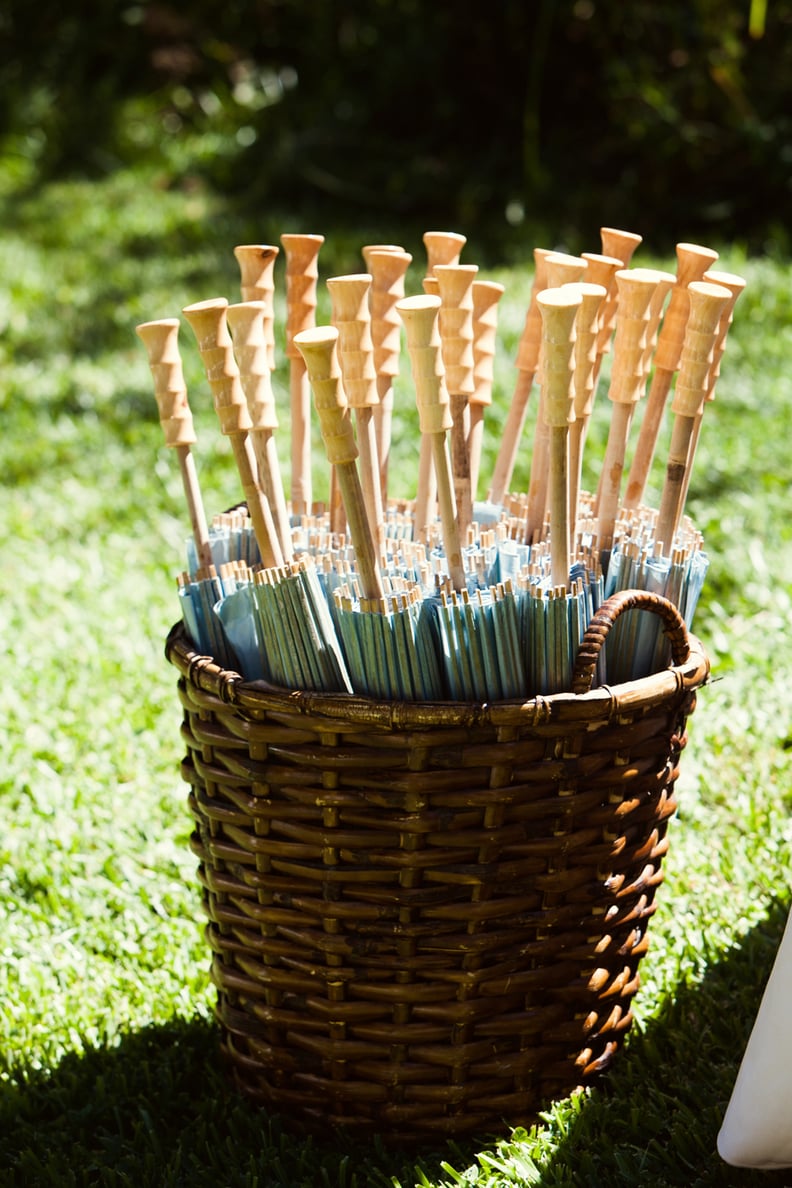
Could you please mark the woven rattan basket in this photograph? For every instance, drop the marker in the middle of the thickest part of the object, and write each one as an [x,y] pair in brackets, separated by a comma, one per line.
[426,919]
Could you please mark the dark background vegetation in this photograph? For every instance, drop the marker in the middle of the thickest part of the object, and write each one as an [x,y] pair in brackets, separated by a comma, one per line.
[500,116]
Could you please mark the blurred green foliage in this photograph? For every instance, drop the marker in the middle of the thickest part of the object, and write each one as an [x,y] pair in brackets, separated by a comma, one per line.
[510,115]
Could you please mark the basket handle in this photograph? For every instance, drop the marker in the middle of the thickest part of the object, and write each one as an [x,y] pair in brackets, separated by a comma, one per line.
[597,632]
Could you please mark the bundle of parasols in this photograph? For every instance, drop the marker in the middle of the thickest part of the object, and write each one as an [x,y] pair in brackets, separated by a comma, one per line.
[444,595]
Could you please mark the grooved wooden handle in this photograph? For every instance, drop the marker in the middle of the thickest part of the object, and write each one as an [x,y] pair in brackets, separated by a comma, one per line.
[455,282]
[161,340]
[349,297]
[420,317]
[531,337]
[562,269]
[246,320]
[486,295]
[208,321]
[257,282]
[735,284]
[302,271]
[558,308]
[707,303]
[664,284]
[388,268]
[692,262]
[592,297]
[636,288]
[319,348]
[621,244]
[442,247]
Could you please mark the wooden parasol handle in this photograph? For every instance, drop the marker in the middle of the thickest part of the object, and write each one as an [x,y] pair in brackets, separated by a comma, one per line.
[209,324]
[559,308]
[420,315]
[387,265]
[257,282]
[442,247]
[707,303]
[351,316]
[560,269]
[319,349]
[455,284]
[636,289]
[302,271]
[248,323]
[486,295]
[161,340]
[587,323]
[606,616]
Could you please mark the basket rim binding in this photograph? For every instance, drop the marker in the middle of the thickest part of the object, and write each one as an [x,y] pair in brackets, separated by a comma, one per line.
[690,669]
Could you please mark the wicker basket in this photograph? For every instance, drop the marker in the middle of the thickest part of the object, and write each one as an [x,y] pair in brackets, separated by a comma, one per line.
[426,919]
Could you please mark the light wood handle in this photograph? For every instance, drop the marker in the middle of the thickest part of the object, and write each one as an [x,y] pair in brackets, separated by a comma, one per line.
[247,323]
[302,271]
[370,248]
[692,262]
[208,322]
[388,269]
[455,283]
[431,286]
[486,295]
[161,340]
[349,296]
[664,284]
[558,308]
[636,288]
[735,284]
[442,247]
[352,318]
[531,337]
[319,348]
[246,320]
[707,304]
[592,298]
[621,244]
[420,316]
[601,270]
[562,269]
[257,282]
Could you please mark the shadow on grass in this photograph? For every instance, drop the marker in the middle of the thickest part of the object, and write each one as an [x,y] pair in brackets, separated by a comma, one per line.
[654,1120]
[156,1110]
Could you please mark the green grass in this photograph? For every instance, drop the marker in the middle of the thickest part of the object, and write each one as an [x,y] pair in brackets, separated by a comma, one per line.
[108,1071]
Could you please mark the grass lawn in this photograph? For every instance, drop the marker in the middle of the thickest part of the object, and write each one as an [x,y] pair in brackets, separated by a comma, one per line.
[108,1069]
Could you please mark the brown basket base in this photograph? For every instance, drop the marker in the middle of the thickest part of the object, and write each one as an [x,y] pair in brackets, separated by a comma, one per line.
[427,920]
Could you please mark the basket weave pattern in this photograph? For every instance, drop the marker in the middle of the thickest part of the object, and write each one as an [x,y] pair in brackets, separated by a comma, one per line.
[428,919]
